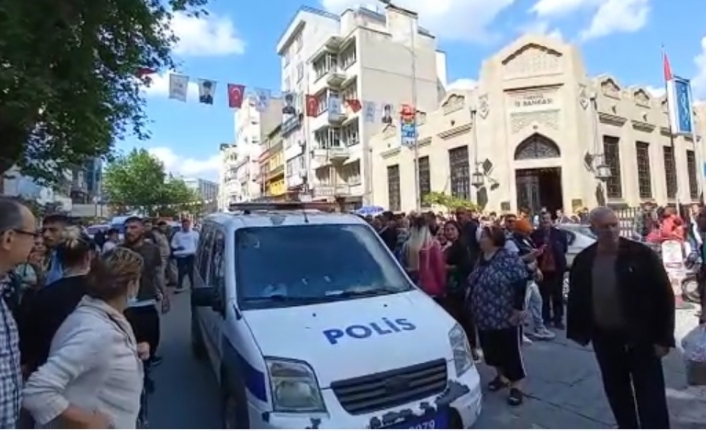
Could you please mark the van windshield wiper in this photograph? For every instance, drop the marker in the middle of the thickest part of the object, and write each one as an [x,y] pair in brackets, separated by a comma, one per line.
[354,293]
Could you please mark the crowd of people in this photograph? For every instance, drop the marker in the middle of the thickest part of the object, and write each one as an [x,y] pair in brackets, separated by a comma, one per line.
[81,317]
[502,279]
[83,314]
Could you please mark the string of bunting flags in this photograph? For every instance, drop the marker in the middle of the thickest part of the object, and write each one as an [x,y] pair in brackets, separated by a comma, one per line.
[313,105]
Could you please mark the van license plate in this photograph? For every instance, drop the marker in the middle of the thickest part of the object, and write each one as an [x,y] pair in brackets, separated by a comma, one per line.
[439,420]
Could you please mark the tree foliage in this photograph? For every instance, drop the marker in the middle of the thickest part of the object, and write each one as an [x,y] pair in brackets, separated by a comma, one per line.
[68,85]
[451,203]
[138,181]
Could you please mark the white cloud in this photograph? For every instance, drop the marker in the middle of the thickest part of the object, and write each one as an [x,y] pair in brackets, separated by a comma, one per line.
[608,16]
[463,84]
[464,20]
[655,91]
[552,9]
[159,86]
[541,27]
[618,16]
[205,36]
[698,82]
[189,167]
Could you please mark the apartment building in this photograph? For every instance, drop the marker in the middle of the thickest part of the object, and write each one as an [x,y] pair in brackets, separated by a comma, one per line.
[251,127]
[206,191]
[272,160]
[228,187]
[374,58]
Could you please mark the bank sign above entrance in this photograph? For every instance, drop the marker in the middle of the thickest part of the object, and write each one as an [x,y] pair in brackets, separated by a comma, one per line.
[532,100]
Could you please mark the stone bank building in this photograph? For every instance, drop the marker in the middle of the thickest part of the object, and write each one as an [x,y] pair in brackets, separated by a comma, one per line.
[538,132]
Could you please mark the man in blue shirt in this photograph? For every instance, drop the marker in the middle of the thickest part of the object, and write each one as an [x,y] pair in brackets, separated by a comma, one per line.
[52,230]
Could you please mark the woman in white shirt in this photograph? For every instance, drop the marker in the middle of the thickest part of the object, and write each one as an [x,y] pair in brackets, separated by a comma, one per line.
[93,377]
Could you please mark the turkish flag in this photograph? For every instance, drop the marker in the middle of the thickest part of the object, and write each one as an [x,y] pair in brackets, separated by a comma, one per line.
[235,95]
[312,106]
[354,104]
[144,71]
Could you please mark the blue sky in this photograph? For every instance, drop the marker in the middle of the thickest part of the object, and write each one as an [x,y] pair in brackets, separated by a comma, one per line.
[236,44]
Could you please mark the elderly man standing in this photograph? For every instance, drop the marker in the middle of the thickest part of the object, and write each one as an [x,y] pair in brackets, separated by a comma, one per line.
[621,301]
[18,228]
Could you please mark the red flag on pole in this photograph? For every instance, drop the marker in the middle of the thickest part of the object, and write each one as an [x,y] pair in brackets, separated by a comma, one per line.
[144,71]
[235,95]
[354,104]
[667,68]
[312,106]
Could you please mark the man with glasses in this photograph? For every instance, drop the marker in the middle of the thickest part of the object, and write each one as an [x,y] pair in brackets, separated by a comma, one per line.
[52,230]
[17,233]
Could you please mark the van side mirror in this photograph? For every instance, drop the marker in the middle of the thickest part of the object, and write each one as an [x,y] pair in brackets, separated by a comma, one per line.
[203,297]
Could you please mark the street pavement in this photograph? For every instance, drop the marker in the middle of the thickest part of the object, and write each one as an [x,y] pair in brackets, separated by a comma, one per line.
[563,388]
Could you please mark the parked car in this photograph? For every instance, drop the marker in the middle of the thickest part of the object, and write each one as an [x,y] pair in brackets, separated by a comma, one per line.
[579,237]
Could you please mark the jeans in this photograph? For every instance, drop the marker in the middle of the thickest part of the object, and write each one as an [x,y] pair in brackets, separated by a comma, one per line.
[533,305]
[552,290]
[185,268]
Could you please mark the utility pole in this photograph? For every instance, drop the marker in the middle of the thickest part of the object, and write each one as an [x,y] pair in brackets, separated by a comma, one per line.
[415,144]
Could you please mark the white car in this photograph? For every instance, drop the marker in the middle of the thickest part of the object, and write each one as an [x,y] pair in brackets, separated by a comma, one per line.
[579,237]
[310,322]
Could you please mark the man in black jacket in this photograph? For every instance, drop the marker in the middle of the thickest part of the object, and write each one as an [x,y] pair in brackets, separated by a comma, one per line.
[621,301]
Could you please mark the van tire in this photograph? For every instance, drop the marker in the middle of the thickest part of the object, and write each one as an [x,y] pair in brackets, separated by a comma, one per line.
[234,403]
[198,348]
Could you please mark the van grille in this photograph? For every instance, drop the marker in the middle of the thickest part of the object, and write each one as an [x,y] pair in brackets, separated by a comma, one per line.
[391,388]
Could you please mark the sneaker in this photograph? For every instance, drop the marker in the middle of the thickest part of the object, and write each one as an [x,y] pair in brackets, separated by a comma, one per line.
[544,334]
[526,340]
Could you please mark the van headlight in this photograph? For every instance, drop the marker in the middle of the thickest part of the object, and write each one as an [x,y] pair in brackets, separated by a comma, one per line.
[461,350]
[294,387]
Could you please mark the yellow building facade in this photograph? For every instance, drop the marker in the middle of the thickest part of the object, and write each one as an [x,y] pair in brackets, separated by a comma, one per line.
[272,162]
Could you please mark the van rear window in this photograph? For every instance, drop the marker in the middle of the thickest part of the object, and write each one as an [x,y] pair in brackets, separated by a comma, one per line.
[310,262]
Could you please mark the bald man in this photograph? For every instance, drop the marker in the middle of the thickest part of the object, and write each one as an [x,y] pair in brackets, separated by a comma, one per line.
[621,301]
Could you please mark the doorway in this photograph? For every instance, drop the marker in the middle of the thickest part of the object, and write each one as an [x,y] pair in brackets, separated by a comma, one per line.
[539,188]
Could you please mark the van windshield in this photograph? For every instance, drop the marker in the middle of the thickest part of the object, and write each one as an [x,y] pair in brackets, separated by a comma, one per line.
[284,266]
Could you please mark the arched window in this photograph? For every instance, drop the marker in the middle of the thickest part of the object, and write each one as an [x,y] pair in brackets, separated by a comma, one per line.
[537,147]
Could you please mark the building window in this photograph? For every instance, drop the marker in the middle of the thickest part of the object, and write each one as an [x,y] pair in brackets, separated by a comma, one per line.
[328,137]
[299,42]
[460,173]
[611,151]
[691,168]
[424,177]
[300,71]
[350,134]
[393,188]
[351,173]
[348,56]
[350,92]
[324,64]
[670,172]
[644,174]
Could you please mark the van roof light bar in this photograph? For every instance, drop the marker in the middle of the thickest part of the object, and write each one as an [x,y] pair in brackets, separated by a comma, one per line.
[281,206]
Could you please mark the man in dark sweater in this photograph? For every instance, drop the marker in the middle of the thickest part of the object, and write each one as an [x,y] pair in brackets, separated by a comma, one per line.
[388,232]
[621,301]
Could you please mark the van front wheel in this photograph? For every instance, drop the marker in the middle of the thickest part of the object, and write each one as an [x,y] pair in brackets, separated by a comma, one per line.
[235,409]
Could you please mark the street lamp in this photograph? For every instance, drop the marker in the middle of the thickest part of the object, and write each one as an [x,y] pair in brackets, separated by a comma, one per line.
[478,177]
[601,170]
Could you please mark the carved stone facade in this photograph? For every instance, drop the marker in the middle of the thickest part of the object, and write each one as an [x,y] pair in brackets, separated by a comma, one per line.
[536,109]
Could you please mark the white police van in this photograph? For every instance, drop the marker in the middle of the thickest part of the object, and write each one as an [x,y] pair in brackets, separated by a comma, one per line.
[309,322]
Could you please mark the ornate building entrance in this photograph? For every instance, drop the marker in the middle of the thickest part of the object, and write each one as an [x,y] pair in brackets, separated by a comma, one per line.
[540,187]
